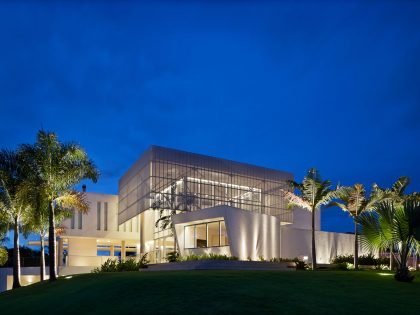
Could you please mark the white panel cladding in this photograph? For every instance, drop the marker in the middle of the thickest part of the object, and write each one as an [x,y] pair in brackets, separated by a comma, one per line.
[302,219]
[90,220]
[297,242]
[82,247]
[251,235]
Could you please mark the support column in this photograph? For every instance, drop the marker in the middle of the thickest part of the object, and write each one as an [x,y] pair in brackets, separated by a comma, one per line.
[112,251]
[123,250]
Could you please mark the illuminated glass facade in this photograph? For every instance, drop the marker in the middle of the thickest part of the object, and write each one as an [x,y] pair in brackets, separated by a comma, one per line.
[178,180]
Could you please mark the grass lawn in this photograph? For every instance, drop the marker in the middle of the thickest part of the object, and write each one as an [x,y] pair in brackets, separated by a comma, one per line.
[222,292]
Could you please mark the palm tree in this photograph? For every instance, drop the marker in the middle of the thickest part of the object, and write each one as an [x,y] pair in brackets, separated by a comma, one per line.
[394,224]
[3,231]
[354,201]
[36,218]
[312,194]
[396,195]
[11,177]
[59,167]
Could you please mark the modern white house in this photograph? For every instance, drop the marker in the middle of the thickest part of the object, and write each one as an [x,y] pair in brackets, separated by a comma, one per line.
[216,206]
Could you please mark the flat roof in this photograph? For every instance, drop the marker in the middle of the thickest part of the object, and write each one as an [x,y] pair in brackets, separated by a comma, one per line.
[159,153]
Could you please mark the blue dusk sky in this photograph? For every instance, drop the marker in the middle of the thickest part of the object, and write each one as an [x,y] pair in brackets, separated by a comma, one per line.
[287,85]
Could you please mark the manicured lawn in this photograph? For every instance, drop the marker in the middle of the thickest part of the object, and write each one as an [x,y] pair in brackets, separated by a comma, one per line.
[218,292]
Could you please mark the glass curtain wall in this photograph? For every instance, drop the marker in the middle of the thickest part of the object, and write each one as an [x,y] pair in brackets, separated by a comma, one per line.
[175,181]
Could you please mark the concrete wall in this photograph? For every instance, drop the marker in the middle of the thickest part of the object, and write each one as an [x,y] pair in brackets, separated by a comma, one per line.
[30,275]
[302,219]
[254,235]
[298,242]
[147,229]
[89,220]
[250,234]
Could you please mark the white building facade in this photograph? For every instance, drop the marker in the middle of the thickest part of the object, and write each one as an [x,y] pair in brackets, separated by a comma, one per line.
[219,206]
[215,205]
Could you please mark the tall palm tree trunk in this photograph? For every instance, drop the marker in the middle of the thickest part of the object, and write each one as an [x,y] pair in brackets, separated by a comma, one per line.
[16,256]
[42,259]
[51,242]
[313,241]
[391,257]
[356,247]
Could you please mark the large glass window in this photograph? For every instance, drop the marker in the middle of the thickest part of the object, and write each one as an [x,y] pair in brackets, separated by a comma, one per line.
[223,234]
[203,235]
[189,232]
[213,234]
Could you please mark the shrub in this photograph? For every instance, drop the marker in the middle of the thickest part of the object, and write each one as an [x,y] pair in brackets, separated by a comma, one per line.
[172,256]
[3,256]
[382,267]
[300,264]
[342,265]
[115,265]
[210,256]
[343,259]
[345,266]
[368,260]
[261,258]
[278,259]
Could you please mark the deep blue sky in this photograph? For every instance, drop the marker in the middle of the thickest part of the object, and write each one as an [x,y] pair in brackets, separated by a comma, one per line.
[332,85]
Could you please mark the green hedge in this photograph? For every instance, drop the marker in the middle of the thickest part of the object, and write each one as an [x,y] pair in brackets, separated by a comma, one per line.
[208,257]
[114,265]
[368,260]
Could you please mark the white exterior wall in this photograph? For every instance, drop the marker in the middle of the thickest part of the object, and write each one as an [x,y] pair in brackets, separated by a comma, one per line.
[147,229]
[257,235]
[302,219]
[250,234]
[298,242]
[89,220]
[82,244]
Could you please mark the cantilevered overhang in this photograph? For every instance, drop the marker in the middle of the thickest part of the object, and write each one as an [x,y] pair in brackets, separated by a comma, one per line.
[250,234]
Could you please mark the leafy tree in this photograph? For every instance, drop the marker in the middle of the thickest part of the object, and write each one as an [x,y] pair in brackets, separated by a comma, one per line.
[394,224]
[59,167]
[355,201]
[12,210]
[312,194]
[3,256]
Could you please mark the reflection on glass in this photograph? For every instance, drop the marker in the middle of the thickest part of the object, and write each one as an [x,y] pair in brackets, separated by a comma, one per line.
[201,235]
[223,235]
[189,237]
[213,234]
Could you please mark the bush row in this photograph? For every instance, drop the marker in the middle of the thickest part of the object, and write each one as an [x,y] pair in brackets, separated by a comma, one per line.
[115,265]
[174,257]
[368,260]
